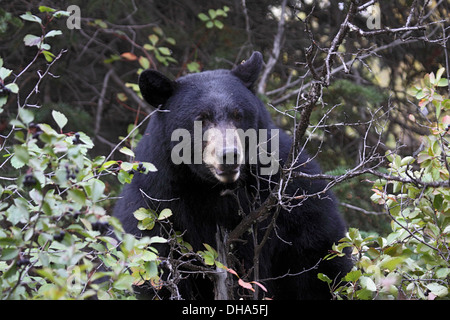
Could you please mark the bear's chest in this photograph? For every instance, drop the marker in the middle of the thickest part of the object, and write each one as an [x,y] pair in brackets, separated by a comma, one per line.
[200,215]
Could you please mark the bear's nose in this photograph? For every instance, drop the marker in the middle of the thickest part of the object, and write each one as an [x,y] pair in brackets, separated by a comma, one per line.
[229,157]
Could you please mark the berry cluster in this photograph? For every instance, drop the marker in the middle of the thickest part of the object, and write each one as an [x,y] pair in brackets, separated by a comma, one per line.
[76,139]
[71,173]
[29,180]
[140,169]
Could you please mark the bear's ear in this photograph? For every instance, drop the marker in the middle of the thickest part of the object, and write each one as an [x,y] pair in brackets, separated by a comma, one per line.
[248,71]
[155,87]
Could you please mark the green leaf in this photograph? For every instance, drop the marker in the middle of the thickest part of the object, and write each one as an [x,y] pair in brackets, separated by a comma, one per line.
[391,263]
[142,213]
[46,9]
[324,278]
[208,257]
[165,213]
[48,55]
[151,268]
[203,17]
[62,13]
[18,212]
[218,24]
[21,156]
[426,80]
[44,46]
[30,17]
[9,253]
[60,119]
[26,115]
[32,40]
[149,256]
[393,236]
[14,88]
[127,151]
[149,47]
[439,73]
[407,160]
[165,51]
[86,140]
[442,273]
[158,31]
[442,82]
[367,283]
[211,250]
[193,66]
[364,294]
[4,73]
[220,12]
[102,24]
[153,39]
[144,62]
[212,13]
[432,78]
[95,189]
[126,166]
[53,33]
[124,282]
[171,41]
[112,58]
[437,289]
[146,218]
[77,196]
[157,239]
[149,166]
[353,276]
[147,224]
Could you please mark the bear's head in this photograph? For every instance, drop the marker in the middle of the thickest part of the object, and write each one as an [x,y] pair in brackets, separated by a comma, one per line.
[208,116]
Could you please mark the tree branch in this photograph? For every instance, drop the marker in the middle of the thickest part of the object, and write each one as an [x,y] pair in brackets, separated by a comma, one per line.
[275,50]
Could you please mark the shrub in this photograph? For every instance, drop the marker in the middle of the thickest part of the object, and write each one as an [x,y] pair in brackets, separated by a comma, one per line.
[56,239]
[412,262]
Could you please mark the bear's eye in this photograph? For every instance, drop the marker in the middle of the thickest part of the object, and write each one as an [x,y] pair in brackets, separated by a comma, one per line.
[237,115]
[204,116]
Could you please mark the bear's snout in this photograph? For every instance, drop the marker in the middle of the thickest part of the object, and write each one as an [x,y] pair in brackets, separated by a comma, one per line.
[229,168]
[230,157]
[223,153]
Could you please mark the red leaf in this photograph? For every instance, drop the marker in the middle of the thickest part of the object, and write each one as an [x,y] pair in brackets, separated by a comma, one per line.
[246,285]
[232,272]
[423,103]
[446,120]
[129,56]
[259,285]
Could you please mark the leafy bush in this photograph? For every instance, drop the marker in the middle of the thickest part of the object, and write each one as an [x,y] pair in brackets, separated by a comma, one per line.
[56,239]
[412,262]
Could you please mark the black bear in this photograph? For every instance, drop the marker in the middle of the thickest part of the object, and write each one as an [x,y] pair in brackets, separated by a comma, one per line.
[218,156]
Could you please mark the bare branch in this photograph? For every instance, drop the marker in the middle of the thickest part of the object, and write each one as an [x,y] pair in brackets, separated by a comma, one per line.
[350,206]
[101,102]
[384,31]
[275,50]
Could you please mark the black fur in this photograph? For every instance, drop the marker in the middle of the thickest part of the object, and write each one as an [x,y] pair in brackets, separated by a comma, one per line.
[302,236]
